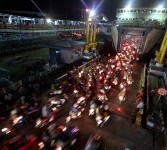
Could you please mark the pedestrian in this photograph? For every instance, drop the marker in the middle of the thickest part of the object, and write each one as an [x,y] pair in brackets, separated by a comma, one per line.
[45,111]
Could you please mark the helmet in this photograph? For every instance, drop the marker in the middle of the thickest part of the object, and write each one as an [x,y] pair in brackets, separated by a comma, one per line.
[75,105]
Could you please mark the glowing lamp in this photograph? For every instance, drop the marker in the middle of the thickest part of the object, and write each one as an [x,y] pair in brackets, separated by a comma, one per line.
[128,7]
[92,13]
[160,7]
[48,20]
[75,91]
[87,10]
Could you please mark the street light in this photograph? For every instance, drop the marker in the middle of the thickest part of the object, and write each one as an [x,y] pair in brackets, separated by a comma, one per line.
[92,13]
[128,7]
[87,10]
[48,20]
[91,31]
[160,7]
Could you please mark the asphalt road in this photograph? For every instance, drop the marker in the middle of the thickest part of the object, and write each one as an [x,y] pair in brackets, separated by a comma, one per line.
[118,133]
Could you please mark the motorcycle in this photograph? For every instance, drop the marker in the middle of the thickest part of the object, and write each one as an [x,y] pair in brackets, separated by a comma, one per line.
[43,121]
[81,101]
[4,132]
[34,112]
[56,92]
[56,103]
[101,120]
[92,110]
[30,110]
[102,115]
[122,95]
[75,112]
[107,88]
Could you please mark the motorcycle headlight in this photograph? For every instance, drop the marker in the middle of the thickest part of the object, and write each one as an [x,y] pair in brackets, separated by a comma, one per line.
[58,148]
[5,130]
[41,145]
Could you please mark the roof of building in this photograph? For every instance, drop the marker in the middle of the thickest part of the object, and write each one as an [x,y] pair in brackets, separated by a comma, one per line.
[24,13]
[141,8]
[65,44]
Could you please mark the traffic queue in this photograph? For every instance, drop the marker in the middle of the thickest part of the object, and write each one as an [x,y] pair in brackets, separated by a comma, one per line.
[88,88]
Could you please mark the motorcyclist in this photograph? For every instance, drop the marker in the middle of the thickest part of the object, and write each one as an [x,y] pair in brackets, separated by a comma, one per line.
[75,110]
[92,108]
[74,113]
[45,111]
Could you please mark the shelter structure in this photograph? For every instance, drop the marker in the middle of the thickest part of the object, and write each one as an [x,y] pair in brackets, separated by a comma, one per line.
[65,52]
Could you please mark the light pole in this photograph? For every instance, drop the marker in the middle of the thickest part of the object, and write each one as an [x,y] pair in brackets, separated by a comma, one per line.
[90,31]
[162,52]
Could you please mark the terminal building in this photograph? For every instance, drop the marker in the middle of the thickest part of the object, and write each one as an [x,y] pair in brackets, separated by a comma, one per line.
[142,16]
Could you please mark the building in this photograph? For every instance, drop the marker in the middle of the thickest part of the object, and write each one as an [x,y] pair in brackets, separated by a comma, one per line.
[141,16]
[65,52]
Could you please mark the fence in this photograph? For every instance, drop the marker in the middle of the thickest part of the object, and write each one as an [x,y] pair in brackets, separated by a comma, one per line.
[63,76]
[38,75]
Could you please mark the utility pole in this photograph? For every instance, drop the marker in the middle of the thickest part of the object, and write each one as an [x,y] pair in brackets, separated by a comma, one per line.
[91,31]
[160,55]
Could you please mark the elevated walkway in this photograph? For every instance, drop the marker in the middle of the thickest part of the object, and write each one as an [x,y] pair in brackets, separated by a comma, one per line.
[157,104]
[31,30]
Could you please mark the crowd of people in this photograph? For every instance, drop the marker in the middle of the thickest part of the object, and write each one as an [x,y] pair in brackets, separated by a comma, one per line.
[21,94]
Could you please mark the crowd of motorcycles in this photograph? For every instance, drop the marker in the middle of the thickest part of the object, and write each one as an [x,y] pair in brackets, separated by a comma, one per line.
[92,84]
[89,86]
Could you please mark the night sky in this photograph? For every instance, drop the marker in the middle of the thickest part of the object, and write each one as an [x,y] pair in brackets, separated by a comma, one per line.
[71,9]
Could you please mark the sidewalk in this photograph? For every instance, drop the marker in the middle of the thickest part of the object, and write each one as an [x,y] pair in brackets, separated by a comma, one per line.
[157,110]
